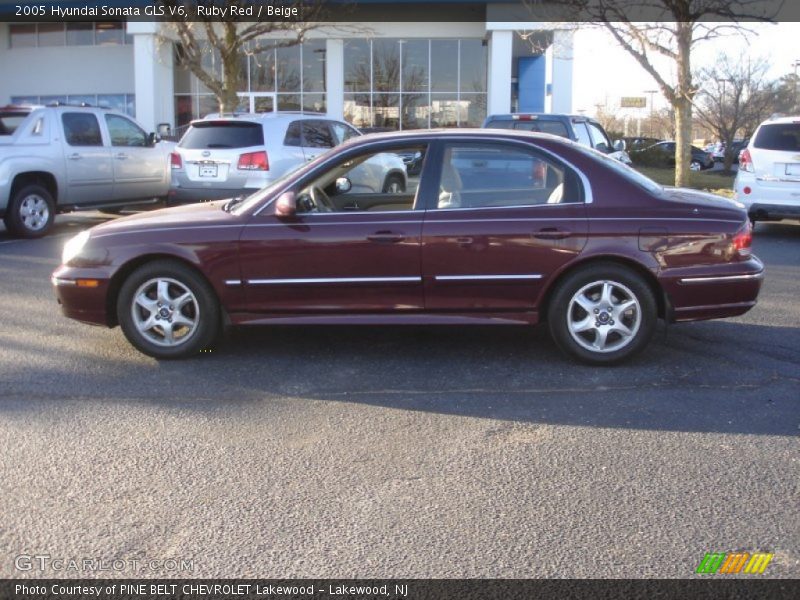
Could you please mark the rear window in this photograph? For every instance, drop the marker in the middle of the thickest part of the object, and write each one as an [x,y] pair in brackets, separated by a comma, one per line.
[9,121]
[779,136]
[539,126]
[211,135]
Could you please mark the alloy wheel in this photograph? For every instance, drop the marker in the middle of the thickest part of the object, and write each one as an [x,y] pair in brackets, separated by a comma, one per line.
[34,212]
[165,311]
[604,316]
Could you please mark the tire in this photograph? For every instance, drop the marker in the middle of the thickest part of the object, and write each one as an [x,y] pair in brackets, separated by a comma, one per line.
[31,212]
[695,166]
[578,315]
[394,184]
[160,286]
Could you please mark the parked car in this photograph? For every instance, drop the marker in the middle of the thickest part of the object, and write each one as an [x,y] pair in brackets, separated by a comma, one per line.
[718,150]
[61,158]
[506,227]
[583,130]
[638,143]
[226,156]
[701,159]
[768,179]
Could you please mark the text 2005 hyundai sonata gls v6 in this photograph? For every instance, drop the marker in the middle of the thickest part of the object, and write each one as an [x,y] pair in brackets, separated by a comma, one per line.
[498,227]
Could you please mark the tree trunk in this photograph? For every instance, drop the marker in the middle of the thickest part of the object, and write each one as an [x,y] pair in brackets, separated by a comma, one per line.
[683,105]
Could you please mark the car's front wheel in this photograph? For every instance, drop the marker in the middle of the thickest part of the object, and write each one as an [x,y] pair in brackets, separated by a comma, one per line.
[31,212]
[696,165]
[602,314]
[167,310]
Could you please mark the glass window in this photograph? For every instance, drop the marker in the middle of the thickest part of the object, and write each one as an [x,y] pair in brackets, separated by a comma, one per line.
[357,70]
[294,135]
[110,33]
[24,100]
[53,100]
[473,66]
[415,65]
[184,110]
[542,126]
[778,136]
[358,109]
[472,110]
[288,69]
[342,132]
[289,102]
[182,79]
[314,103]
[81,129]
[262,71]
[416,111]
[22,36]
[85,99]
[124,132]
[80,34]
[130,104]
[316,134]
[10,120]
[314,66]
[376,181]
[599,138]
[385,65]
[51,34]
[223,134]
[206,104]
[444,110]
[494,175]
[582,134]
[444,65]
[386,111]
[115,101]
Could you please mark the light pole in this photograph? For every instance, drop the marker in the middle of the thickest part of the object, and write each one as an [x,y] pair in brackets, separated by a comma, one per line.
[652,94]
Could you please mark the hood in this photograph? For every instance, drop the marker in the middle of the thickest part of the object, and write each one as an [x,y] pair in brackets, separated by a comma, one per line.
[205,213]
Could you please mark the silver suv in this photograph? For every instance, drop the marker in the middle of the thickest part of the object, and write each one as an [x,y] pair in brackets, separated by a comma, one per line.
[768,179]
[226,156]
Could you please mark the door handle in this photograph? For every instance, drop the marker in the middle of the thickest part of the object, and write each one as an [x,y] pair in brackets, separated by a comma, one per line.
[121,156]
[386,237]
[552,233]
[75,156]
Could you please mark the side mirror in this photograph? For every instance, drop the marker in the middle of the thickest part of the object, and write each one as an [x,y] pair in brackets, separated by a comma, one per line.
[343,185]
[286,205]
[620,145]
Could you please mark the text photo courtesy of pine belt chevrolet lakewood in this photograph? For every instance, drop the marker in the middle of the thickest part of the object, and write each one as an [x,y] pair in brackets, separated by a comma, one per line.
[501,227]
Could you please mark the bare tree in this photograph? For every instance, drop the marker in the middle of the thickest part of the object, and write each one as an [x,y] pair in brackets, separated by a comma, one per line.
[734,98]
[214,51]
[671,29]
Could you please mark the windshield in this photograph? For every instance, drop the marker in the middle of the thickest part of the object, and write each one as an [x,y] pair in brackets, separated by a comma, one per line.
[779,136]
[255,198]
[620,168]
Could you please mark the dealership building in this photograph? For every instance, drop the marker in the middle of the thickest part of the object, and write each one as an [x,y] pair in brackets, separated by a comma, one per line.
[388,75]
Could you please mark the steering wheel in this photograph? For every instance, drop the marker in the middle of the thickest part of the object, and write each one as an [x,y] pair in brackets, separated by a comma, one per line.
[321,200]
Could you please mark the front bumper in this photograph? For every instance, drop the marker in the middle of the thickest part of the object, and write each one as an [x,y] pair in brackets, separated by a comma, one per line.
[80,297]
[712,291]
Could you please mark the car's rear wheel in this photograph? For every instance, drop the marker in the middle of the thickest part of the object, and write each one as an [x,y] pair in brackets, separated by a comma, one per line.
[394,184]
[31,212]
[602,314]
[696,165]
[167,310]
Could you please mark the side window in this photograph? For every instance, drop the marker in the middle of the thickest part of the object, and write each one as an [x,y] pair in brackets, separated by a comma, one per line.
[494,175]
[124,132]
[582,134]
[81,129]
[294,136]
[342,132]
[376,181]
[599,138]
[316,134]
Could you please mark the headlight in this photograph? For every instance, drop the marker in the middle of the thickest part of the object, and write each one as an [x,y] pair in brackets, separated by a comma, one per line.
[73,246]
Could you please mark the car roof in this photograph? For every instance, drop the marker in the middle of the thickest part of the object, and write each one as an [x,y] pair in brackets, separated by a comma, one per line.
[435,134]
[779,120]
[260,117]
[543,116]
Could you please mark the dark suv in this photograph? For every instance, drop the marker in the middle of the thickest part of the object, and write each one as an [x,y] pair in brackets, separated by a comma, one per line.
[579,129]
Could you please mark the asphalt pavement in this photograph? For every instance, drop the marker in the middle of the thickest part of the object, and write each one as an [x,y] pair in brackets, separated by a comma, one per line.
[396,452]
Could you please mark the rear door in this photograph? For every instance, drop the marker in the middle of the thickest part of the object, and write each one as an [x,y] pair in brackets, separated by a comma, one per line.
[506,218]
[776,160]
[90,175]
[140,169]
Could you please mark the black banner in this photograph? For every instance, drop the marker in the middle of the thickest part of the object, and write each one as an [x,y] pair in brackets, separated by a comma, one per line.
[381,11]
[399,589]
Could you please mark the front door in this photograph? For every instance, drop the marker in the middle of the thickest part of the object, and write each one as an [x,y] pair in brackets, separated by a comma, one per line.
[336,254]
[140,169]
[506,218]
[90,175]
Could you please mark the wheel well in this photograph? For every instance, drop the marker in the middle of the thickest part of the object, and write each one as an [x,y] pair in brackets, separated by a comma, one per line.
[129,267]
[640,269]
[46,180]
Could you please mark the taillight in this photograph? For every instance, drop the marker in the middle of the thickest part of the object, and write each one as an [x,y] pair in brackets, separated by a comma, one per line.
[742,241]
[746,161]
[254,161]
[175,160]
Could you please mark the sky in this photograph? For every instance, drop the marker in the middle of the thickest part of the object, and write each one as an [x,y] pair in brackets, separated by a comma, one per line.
[603,72]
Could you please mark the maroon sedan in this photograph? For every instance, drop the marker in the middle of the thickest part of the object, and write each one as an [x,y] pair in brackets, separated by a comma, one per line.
[504,228]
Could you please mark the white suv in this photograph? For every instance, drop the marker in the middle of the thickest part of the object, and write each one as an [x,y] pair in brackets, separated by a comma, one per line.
[768,180]
[225,156]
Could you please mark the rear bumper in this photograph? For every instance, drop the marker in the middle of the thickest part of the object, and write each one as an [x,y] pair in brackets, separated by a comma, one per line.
[713,292]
